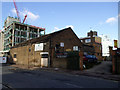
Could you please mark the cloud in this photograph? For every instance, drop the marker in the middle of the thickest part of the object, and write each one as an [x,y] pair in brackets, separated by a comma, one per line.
[57,29]
[13,11]
[69,26]
[111,20]
[30,15]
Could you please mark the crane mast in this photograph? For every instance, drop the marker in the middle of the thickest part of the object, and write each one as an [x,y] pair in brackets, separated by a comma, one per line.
[16,10]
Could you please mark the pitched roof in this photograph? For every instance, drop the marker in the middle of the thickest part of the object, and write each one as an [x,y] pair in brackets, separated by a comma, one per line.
[41,38]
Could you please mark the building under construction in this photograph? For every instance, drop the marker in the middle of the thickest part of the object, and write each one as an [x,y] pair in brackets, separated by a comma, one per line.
[16,32]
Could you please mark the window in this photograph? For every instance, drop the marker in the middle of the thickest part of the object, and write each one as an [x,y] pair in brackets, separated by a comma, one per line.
[98,54]
[85,53]
[57,48]
[75,48]
[100,48]
[87,40]
[15,55]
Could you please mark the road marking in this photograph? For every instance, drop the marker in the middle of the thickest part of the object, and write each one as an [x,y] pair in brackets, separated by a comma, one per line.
[73,85]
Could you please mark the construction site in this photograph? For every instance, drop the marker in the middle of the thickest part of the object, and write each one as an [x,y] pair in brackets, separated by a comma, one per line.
[16,32]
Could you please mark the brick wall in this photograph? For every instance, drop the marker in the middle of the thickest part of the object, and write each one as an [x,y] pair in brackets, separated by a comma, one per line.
[27,56]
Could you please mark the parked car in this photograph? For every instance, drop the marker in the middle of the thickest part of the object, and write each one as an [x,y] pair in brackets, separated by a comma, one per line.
[89,58]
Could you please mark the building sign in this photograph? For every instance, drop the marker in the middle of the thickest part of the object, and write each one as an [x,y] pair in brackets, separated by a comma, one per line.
[68,50]
[39,47]
[115,44]
[3,59]
[61,44]
[97,39]
[61,55]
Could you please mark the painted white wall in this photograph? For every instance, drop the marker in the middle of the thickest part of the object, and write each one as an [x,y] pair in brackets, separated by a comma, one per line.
[106,42]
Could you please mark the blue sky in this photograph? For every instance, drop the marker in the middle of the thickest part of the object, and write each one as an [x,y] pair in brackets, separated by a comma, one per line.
[81,16]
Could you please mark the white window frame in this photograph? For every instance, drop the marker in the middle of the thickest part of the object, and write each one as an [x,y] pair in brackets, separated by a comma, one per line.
[75,48]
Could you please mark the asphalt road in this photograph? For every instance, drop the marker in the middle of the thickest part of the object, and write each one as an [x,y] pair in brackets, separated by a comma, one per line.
[45,79]
[104,67]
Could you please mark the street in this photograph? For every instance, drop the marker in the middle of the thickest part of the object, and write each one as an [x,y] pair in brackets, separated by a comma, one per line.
[45,79]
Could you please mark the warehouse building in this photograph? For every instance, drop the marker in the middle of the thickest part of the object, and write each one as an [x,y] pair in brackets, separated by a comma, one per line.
[48,50]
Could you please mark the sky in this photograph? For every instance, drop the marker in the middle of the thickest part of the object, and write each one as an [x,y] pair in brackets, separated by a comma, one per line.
[80,16]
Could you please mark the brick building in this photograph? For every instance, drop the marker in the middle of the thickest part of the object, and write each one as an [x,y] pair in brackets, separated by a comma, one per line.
[55,44]
[95,41]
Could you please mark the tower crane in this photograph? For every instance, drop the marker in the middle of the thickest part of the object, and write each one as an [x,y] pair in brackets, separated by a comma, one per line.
[18,12]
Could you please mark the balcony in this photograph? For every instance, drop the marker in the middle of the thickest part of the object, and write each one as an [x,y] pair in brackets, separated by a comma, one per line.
[8,43]
[17,29]
[8,48]
[7,37]
[22,30]
[25,30]
[8,30]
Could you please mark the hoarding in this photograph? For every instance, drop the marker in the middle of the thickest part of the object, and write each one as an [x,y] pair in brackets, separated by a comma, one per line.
[98,39]
[3,59]
[39,47]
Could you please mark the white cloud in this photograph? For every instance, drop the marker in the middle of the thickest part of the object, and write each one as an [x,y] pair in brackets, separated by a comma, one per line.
[57,29]
[69,26]
[111,20]
[13,11]
[30,15]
